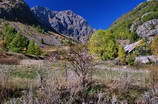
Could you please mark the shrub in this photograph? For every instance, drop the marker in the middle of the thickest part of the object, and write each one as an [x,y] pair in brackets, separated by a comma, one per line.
[150,16]
[122,55]
[103,44]
[18,43]
[130,59]
[33,48]
[14,41]
[39,29]
[154,46]
[81,62]
[67,42]
[8,34]
[122,32]
[142,49]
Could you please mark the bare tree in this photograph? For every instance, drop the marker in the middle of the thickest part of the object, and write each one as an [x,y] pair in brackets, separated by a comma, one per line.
[81,63]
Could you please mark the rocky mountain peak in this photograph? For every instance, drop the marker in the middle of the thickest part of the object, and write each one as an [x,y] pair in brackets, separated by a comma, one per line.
[65,22]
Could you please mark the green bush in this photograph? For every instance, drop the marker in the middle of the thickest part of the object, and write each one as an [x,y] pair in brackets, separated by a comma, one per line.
[154,46]
[33,48]
[18,43]
[103,44]
[143,49]
[150,16]
[67,42]
[15,42]
[122,55]
[8,33]
[130,59]
[39,29]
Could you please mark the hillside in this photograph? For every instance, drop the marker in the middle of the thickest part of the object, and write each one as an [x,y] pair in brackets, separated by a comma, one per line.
[133,38]
[64,22]
[17,14]
[138,22]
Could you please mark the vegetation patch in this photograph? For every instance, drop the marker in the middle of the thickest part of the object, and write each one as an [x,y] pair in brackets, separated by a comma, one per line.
[29,74]
[15,42]
[103,44]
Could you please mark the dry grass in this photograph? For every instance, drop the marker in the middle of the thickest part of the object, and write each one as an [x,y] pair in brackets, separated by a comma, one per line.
[9,61]
[55,88]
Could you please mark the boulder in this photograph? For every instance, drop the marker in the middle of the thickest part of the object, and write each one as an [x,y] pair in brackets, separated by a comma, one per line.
[142,60]
[146,59]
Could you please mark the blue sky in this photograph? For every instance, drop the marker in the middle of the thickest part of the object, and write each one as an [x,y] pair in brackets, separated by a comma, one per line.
[100,14]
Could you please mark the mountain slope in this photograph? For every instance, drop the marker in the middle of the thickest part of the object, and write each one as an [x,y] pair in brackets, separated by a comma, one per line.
[129,26]
[17,14]
[65,22]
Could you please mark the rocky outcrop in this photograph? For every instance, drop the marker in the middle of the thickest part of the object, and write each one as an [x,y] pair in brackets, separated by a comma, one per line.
[16,10]
[135,25]
[64,22]
[147,29]
[146,59]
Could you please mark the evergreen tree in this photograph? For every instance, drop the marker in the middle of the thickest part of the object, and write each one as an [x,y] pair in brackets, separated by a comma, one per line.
[30,49]
[33,49]
[18,43]
[37,50]
[8,34]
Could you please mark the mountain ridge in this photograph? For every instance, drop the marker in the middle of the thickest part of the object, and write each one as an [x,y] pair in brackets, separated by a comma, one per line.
[18,15]
[65,22]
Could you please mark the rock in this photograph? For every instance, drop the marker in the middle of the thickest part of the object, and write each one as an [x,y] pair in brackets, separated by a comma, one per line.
[153,59]
[64,22]
[131,47]
[148,29]
[16,10]
[142,60]
[135,25]
[146,59]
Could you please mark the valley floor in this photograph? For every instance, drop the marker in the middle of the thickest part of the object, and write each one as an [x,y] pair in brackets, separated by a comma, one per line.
[21,79]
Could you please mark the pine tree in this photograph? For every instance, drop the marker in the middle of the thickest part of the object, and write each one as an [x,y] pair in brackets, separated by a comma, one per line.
[33,49]
[30,49]
[18,43]
[37,50]
[8,34]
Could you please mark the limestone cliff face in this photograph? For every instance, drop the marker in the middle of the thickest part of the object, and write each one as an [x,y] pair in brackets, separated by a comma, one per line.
[64,22]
